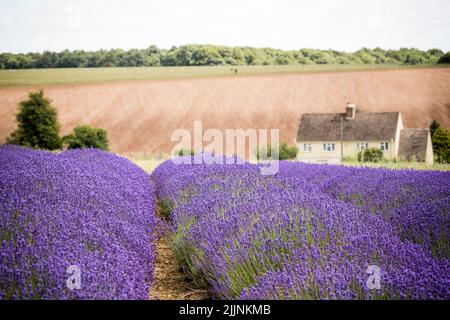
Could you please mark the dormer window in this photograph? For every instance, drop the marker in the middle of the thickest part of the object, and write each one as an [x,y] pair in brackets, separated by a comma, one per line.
[350,111]
[384,146]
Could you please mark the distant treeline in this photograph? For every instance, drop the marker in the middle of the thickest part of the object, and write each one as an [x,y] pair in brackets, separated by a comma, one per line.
[209,55]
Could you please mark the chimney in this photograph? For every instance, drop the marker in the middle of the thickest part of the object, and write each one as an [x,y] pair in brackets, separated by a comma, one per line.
[350,111]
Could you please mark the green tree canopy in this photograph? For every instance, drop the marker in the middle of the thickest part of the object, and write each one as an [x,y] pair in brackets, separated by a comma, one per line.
[87,137]
[433,127]
[441,145]
[370,155]
[37,122]
[281,152]
[206,55]
[445,58]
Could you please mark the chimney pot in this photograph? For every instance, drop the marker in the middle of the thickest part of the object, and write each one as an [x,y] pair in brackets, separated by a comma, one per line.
[350,111]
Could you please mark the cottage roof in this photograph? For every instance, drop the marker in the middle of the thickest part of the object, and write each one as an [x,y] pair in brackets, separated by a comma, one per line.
[364,127]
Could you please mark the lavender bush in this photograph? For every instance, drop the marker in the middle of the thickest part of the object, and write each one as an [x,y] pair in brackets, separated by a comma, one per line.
[86,208]
[415,202]
[290,237]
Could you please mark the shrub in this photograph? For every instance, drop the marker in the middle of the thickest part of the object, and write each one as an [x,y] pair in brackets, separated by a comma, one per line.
[284,152]
[37,122]
[441,145]
[85,208]
[185,152]
[87,137]
[370,155]
[433,127]
[288,153]
[444,59]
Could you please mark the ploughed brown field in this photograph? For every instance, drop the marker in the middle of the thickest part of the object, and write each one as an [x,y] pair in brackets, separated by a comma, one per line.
[141,115]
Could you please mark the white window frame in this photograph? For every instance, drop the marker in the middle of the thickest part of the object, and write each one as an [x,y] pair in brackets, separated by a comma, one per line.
[362,146]
[384,146]
[329,147]
[307,147]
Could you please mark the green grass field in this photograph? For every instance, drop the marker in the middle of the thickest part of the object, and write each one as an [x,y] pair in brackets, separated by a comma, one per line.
[87,75]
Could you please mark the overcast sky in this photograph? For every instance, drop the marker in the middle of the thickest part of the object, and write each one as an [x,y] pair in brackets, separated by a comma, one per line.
[38,25]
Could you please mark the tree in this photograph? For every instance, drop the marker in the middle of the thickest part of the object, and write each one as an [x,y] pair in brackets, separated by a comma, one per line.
[434,55]
[415,58]
[12,63]
[37,122]
[441,145]
[68,59]
[46,60]
[169,59]
[433,127]
[444,59]
[87,137]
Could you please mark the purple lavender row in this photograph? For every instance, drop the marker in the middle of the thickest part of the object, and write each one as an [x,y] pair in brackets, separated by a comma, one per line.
[416,203]
[253,237]
[87,209]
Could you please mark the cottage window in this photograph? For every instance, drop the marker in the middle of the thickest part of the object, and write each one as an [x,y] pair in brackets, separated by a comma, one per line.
[362,145]
[307,147]
[384,146]
[328,147]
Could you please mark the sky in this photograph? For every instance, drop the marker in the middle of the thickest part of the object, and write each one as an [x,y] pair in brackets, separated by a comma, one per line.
[346,25]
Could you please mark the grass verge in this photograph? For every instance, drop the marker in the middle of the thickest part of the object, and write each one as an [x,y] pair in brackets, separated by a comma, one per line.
[89,75]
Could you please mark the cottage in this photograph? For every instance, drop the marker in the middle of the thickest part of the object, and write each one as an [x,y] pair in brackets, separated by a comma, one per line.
[330,137]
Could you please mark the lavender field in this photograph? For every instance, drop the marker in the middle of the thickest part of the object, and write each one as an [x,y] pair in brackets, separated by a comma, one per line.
[84,208]
[309,232]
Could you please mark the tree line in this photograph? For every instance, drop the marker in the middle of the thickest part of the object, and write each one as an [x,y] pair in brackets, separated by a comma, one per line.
[211,55]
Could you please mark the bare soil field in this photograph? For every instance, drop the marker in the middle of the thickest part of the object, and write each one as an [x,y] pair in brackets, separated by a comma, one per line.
[141,115]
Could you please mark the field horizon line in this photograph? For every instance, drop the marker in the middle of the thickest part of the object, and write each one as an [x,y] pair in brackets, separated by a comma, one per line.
[81,76]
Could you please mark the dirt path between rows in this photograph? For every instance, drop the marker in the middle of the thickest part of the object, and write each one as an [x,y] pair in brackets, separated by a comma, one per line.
[170,282]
